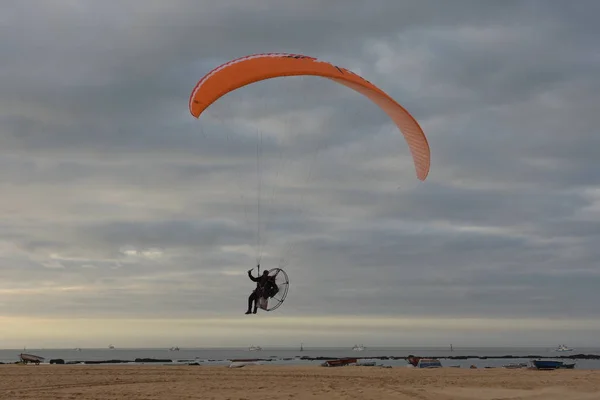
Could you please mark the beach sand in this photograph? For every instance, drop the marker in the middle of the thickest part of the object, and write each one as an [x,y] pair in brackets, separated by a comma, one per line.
[86,382]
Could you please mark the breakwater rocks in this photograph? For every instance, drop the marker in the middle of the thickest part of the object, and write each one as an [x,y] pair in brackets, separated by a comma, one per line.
[532,356]
[306,358]
[137,360]
[571,357]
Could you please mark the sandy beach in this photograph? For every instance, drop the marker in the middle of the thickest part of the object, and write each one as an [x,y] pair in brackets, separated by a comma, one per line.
[283,382]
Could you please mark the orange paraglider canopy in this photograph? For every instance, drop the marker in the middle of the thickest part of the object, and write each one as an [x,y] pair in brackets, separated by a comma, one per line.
[257,67]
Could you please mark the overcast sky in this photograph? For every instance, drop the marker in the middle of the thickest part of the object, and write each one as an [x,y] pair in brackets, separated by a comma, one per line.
[125,220]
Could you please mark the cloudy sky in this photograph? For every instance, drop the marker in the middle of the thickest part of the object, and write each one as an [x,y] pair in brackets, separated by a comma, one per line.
[125,220]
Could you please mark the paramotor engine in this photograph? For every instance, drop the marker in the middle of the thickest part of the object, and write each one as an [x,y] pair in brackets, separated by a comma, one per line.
[272,301]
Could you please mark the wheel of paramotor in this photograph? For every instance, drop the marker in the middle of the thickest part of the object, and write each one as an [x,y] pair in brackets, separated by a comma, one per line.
[283,283]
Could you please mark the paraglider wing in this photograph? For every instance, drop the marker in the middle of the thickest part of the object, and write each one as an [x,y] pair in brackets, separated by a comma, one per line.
[257,67]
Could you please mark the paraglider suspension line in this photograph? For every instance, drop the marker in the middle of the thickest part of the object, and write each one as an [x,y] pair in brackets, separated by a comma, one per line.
[258,190]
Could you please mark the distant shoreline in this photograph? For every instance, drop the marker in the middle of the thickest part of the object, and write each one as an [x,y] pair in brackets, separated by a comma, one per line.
[307,358]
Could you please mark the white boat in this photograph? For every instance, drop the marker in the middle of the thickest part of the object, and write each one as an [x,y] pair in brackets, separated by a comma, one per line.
[358,348]
[515,366]
[562,347]
[240,364]
[174,348]
[254,348]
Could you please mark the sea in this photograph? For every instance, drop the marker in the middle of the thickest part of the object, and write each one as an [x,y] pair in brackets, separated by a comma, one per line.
[480,357]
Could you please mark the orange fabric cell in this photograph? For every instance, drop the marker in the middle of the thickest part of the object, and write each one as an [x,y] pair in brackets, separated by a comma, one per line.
[257,67]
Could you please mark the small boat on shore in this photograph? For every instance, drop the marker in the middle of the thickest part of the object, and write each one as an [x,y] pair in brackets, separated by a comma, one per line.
[515,366]
[429,363]
[240,364]
[420,362]
[366,363]
[30,358]
[552,364]
[341,362]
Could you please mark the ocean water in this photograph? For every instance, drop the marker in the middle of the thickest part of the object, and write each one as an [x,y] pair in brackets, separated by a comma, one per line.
[287,356]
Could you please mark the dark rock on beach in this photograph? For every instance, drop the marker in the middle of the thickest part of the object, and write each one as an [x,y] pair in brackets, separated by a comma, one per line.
[151,360]
[57,361]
